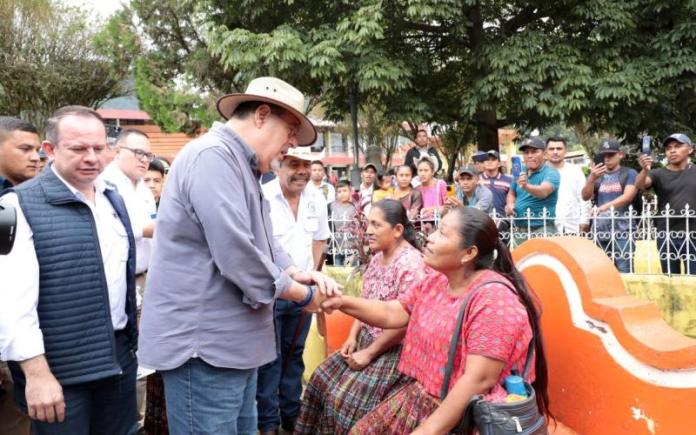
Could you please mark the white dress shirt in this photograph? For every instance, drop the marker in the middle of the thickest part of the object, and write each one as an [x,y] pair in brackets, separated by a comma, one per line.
[141,207]
[571,210]
[296,235]
[329,196]
[20,334]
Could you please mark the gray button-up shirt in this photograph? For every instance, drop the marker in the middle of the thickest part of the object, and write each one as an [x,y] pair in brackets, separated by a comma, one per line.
[216,268]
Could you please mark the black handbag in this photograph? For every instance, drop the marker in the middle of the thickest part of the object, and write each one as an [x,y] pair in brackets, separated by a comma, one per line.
[522,417]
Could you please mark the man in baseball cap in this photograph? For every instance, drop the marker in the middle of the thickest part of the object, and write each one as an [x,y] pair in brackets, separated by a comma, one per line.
[675,185]
[216,270]
[533,195]
[470,192]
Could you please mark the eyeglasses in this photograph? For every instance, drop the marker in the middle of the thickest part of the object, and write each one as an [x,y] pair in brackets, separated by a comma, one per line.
[140,154]
[292,129]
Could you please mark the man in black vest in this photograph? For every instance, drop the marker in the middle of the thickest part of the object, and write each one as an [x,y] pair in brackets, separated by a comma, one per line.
[68,325]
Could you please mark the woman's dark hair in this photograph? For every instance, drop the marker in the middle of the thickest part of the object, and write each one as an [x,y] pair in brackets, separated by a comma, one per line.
[428,161]
[478,229]
[409,167]
[395,213]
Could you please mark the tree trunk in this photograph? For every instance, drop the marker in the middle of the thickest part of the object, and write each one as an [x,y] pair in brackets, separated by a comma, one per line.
[487,131]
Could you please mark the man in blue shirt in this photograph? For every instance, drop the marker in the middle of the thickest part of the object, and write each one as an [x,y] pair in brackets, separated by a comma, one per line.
[532,196]
[612,188]
[470,192]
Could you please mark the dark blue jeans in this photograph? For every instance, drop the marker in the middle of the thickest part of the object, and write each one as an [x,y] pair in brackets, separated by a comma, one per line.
[620,251]
[106,407]
[280,381]
[203,399]
[673,251]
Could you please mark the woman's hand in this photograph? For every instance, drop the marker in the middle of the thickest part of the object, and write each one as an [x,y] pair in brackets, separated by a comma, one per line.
[359,360]
[348,347]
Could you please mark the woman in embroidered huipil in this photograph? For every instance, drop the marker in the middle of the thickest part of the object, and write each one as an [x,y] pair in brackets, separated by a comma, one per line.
[354,380]
[500,320]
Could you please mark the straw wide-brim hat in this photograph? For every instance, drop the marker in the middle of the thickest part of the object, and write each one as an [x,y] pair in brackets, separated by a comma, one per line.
[274,91]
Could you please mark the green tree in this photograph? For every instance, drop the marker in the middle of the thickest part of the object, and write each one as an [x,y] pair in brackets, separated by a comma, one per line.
[50,56]
[621,66]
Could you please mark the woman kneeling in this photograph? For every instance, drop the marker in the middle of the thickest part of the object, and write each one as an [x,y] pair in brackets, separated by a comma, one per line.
[353,381]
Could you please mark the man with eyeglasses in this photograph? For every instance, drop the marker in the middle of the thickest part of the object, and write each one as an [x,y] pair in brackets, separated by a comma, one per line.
[126,172]
[217,270]
[67,320]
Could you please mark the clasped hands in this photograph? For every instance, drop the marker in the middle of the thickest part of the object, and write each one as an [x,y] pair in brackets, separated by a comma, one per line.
[327,293]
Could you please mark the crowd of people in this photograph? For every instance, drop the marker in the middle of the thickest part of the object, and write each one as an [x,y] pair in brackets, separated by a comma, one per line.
[206,278]
[552,197]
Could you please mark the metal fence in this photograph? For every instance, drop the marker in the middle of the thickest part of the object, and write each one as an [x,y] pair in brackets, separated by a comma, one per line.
[638,241]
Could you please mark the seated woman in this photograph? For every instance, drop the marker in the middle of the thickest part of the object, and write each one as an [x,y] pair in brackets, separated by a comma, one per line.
[494,337]
[350,383]
[410,198]
[433,193]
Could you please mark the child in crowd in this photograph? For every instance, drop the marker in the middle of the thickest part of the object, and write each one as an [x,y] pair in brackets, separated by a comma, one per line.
[433,193]
[342,212]
[386,188]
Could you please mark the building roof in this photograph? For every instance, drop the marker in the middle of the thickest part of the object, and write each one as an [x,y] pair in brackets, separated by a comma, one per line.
[124,114]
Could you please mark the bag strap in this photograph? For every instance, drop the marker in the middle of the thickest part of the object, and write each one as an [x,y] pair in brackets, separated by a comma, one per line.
[449,368]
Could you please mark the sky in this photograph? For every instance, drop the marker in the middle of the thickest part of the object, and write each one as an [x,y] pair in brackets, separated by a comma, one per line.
[104,8]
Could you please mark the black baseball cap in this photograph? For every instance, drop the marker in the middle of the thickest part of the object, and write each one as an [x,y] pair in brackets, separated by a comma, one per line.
[608,146]
[532,142]
[479,156]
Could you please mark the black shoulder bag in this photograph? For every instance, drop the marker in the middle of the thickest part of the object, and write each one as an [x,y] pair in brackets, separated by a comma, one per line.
[521,417]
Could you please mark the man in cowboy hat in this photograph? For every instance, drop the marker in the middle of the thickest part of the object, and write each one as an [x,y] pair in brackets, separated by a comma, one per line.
[301,227]
[216,270]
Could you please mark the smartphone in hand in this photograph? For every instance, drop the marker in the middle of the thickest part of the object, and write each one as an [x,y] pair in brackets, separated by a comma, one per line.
[645,149]
[598,159]
[516,168]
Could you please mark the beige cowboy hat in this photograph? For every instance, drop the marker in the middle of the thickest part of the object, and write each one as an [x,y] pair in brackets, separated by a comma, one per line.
[275,91]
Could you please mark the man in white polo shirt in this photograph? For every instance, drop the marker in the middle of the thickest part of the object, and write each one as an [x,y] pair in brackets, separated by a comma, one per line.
[126,172]
[301,227]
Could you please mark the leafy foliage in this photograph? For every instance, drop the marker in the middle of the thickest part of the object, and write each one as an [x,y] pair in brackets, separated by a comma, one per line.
[50,56]
[622,66]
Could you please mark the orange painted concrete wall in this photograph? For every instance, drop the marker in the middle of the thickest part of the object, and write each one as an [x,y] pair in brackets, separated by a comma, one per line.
[617,367]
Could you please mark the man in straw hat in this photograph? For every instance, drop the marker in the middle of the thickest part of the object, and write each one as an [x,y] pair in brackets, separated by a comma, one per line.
[301,227]
[216,270]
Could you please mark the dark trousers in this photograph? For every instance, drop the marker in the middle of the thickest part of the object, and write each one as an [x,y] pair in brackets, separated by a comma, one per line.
[280,382]
[673,254]
[106,406]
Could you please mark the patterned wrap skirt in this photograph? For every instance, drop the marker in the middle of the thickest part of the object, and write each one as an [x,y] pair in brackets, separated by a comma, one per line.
[337,396]
[401,413]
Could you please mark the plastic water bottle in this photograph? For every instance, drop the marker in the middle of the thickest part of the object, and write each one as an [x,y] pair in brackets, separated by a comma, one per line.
[514,384]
